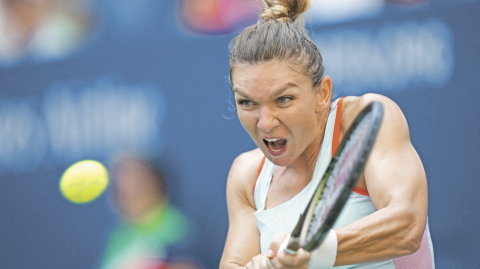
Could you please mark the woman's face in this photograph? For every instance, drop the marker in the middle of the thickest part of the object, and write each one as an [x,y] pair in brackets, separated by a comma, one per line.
[280,110]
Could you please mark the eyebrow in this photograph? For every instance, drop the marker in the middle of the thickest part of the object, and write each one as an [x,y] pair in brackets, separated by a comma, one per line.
[274,95]
[283,88]
[240,93]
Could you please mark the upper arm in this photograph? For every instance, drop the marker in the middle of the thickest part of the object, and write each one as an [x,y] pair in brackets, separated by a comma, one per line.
[396,182]
[394,173]
[243,239]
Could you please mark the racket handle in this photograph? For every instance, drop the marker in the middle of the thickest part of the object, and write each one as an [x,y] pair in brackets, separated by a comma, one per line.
[290,245]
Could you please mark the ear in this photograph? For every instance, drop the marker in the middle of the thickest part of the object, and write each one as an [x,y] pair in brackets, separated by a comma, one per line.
[324,93]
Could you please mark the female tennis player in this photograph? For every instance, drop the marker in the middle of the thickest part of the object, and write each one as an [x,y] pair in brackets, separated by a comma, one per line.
[283,101]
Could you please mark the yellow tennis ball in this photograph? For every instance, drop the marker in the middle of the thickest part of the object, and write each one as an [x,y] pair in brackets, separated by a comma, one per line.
[84,181]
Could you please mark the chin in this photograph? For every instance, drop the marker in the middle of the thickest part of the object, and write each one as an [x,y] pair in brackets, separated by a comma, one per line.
[279,160]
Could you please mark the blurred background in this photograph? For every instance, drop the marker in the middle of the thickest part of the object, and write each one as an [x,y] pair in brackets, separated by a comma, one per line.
[141,86]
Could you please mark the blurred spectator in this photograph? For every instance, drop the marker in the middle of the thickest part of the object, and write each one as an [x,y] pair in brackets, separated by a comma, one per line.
[42,30]
[214,17]
[154,233]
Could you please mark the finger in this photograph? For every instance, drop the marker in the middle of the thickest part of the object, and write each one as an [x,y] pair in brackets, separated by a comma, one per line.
[253,264]
[271,265]
[274,246]
[301,258]
[284,244]
[257,262]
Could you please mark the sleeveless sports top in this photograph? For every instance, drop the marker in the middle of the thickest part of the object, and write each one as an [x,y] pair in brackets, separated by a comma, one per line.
[282,218]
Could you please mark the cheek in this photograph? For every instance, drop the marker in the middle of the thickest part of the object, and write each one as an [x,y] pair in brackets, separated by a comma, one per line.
[303,120]
[248,120]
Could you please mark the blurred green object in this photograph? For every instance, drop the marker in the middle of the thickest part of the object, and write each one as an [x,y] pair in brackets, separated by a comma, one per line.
[144,245]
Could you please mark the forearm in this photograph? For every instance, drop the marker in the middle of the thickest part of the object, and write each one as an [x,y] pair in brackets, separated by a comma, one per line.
[227,265]
[228,262]
[243,238]
[238,251]
[383,235]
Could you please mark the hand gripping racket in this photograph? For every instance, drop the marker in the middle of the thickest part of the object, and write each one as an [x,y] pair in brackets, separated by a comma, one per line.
[338,181]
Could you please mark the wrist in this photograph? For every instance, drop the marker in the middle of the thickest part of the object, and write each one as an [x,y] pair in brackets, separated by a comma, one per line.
[325,255]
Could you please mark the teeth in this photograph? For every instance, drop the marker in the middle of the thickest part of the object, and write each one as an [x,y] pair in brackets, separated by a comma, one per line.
[272,140]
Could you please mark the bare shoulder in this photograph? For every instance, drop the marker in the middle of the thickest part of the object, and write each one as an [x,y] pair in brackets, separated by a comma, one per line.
[353,105]
[245,166]
[394,125]
[243,174]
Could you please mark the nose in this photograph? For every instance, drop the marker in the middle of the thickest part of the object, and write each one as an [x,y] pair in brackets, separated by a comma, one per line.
[267,119]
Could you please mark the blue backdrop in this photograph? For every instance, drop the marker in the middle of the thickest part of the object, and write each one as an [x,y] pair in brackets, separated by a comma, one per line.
[54,113]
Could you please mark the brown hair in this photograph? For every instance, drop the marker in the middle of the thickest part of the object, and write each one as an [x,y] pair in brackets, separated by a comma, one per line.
[277,36]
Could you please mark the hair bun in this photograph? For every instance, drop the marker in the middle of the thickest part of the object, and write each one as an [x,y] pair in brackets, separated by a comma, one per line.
[284,10]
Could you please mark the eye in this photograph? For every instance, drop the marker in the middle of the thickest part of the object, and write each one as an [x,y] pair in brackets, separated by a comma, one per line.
[245,103]
[284,99]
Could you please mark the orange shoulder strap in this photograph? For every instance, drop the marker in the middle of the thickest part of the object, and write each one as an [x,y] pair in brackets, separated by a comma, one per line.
[261,166]
[336,140]
[336,129]
[258,173]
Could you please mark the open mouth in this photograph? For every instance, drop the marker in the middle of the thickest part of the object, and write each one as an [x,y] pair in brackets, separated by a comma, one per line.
[275,144]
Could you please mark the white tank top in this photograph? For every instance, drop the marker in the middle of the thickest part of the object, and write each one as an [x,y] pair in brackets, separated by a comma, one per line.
[282,218]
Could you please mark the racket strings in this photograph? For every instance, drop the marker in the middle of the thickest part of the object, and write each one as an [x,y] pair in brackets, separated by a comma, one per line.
[338,176]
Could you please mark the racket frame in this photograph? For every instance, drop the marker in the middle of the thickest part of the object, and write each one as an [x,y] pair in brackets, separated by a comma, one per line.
[298,235]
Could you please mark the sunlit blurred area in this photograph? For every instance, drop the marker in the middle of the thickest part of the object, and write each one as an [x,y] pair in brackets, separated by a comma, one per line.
[43,30]
[142,87]
[341,11]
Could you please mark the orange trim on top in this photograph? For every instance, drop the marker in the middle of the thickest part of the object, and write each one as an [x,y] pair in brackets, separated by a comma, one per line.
[361,191]
[336,129]
[261,166]
[336,140]
[258,174]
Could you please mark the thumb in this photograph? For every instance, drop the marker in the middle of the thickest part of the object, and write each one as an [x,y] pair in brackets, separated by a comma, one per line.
[279,242]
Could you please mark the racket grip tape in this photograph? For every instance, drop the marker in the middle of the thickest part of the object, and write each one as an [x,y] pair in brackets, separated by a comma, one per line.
[290,245]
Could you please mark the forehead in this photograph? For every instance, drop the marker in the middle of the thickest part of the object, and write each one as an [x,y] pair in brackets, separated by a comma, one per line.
[269,75]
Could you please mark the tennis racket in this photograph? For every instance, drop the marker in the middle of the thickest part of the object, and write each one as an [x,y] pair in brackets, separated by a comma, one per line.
[338,181]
